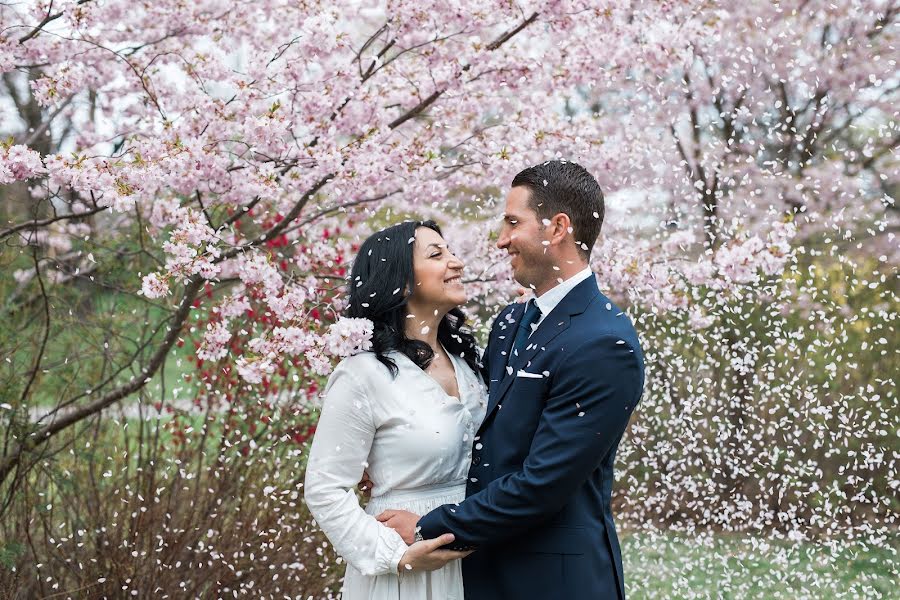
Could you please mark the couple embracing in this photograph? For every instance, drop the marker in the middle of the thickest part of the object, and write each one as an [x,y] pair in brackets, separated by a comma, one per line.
[493,477]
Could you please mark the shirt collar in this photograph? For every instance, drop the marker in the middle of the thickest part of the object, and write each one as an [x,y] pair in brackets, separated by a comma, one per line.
[549,299]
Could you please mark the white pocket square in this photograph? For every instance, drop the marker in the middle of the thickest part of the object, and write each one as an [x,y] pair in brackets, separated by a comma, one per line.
[521,373]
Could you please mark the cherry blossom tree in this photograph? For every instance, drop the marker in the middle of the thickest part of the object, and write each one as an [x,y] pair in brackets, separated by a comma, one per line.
[774,144]
[224,134]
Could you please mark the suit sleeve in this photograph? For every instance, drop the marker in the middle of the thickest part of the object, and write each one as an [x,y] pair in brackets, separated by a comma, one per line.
[590,402]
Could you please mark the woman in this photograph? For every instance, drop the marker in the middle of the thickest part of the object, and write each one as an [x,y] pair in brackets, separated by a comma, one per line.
[406,412]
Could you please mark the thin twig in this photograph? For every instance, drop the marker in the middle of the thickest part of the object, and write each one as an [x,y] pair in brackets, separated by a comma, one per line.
[47,19]
[44,222]
[40,354]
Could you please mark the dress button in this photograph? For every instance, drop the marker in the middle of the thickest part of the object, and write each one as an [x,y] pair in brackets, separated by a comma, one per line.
[476,461]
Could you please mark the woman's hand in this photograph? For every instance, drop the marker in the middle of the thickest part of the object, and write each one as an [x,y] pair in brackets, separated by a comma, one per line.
[428,556]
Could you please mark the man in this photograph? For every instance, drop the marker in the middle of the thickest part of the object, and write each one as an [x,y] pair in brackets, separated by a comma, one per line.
[565,372]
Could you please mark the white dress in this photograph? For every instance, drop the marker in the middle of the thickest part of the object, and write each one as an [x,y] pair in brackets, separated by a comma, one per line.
[416,443]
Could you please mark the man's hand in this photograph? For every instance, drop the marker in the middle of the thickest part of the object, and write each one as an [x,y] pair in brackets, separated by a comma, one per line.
[428,556]
[401,521]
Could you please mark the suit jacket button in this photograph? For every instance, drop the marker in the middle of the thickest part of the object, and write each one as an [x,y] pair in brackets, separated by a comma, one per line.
[476,460]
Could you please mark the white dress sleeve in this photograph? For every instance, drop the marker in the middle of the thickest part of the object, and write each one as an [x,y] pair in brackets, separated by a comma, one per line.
[337,458]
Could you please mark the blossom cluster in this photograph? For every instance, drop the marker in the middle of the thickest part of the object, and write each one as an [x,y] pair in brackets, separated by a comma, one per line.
[19,162]
[345,337]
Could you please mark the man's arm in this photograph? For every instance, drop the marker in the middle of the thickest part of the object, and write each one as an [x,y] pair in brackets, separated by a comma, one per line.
[591,402]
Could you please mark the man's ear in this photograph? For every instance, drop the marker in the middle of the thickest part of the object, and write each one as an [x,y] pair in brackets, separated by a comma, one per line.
[560,226]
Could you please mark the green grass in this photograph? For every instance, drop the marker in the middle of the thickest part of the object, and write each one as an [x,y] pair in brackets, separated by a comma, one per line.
[666,565]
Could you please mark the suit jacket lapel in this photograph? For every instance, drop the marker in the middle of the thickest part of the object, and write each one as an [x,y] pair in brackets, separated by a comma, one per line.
[544,334]
[501,349]
[555,323]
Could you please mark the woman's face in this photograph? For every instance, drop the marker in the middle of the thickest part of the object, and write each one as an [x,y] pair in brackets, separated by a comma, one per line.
[437,274]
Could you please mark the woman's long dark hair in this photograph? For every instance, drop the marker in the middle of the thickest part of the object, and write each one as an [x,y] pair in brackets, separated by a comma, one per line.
[380,284]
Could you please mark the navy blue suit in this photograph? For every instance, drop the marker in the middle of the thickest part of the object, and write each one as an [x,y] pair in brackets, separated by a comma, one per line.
[537,504]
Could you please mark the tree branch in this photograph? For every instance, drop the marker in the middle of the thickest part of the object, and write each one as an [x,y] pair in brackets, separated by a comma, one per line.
[282,225]
[333,209]
[46,122]
[44,222]
[421,106]
[512,32]
[40,354]
[47,19]
[416,110]
[42,435]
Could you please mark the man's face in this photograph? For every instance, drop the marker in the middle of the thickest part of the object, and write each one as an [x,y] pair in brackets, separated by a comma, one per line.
[522,236]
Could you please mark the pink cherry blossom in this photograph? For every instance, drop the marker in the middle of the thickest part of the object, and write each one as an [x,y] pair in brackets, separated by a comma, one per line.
[154,286]
[215,341]
[348,336]
[19,162]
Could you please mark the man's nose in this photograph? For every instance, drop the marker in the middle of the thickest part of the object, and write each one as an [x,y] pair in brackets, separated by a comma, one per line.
[502,241]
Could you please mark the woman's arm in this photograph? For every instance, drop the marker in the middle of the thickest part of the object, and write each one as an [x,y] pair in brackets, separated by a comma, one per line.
[337,459]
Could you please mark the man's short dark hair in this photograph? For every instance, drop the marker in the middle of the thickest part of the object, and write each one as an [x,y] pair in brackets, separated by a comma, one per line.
[559,186]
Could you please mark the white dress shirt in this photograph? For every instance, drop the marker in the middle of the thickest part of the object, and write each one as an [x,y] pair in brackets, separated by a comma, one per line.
[549,299]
